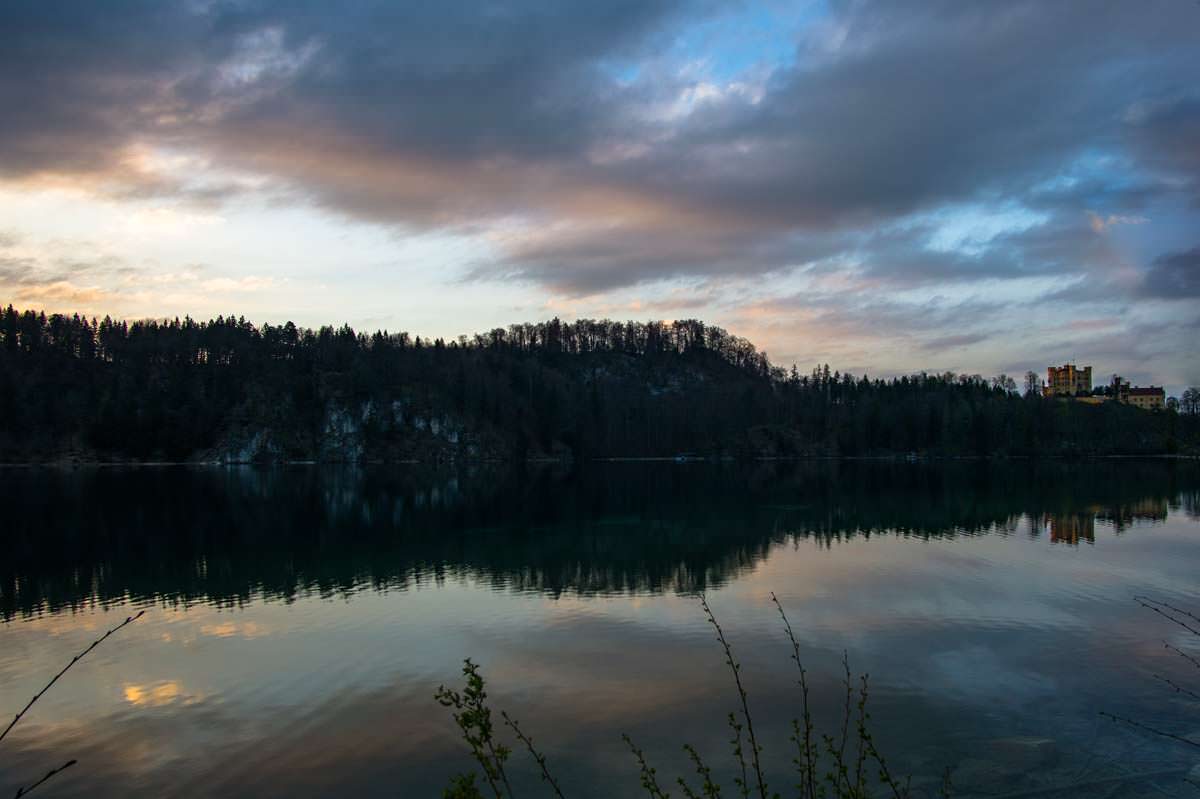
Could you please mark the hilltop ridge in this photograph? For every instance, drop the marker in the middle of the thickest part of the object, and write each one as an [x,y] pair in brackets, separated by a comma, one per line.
[226,390]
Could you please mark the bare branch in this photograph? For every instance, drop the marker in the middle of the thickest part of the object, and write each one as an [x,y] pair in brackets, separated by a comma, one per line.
[736,668]
[1183,654]
[538,757]
[1150,604]
[1150,729]
[1168,606]
[804,737]
[74,660]
[841,750]
[26,791]
[1179,689]
[649,782]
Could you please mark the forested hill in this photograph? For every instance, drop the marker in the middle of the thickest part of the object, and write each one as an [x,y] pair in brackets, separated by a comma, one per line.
[227,390]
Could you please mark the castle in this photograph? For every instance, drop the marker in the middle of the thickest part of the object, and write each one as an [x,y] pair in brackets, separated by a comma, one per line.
[1074,381]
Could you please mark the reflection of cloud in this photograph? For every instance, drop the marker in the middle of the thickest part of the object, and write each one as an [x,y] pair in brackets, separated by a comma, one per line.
[232,629]
[158,694]
[976,674]
[976,630]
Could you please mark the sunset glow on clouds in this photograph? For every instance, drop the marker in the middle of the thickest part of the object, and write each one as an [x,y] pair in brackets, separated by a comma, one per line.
[976,187]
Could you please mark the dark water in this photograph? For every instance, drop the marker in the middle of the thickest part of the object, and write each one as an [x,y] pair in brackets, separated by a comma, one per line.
[299,620]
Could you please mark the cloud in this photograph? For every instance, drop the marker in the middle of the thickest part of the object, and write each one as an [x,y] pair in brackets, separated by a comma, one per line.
[163,221]
[889,160]
[1164,133]
[40,274]
[61,293]
[31,274]
[953,342]
[241,284]
[453,116]
[1174,276]
[1100,224]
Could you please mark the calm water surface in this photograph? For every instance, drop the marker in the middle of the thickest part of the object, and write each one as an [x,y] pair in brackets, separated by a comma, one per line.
[299,620]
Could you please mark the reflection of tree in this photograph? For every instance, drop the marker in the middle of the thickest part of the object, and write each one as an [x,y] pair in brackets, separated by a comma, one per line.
[1153,509]
[1189,500]
[183,535]
[1069,528]
[1072,527]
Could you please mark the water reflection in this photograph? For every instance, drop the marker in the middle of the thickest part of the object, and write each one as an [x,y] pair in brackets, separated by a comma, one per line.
[1070,528]
[301,618]
[225,536]
[1073,527]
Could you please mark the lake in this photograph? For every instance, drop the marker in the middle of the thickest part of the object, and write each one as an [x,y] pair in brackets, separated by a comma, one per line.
[299,620]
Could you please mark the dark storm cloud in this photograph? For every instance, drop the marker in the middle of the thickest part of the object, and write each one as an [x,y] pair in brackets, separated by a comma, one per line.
[585,262]
[1174,276]
[943,104]
[369,86]
[1167,135]
[78,81]
[472,116]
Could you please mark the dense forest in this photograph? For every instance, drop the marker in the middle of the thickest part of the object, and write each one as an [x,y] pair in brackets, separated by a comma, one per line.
[227,390]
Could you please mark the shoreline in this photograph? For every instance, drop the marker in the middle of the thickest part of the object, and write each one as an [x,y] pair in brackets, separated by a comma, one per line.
[677,460]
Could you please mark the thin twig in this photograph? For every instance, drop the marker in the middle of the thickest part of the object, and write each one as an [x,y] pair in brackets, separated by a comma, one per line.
[711,789]
[1151,605]
[861,759]
[1179,689]
[1150,729]
[840,754]
[538,757]
[885,774]
[742,782]
[74,660]
[737,679]
[1169,607]
[26,791]
[867,748]
[804,740]
[647,773]
[1078,786]
[1182,654]
[498,755]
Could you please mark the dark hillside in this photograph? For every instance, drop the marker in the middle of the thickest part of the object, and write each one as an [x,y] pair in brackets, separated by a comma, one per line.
[79,389]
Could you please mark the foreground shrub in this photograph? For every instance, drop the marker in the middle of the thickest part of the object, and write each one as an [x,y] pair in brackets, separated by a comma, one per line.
[843,765]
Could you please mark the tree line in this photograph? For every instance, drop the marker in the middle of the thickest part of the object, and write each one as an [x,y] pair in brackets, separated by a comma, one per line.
[184,389]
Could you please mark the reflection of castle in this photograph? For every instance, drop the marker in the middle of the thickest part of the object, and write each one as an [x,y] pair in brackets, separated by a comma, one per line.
[1068,528]
[1149,509]
[1071,528]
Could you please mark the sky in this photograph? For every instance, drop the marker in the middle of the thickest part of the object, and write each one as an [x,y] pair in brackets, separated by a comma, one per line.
[980,187]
